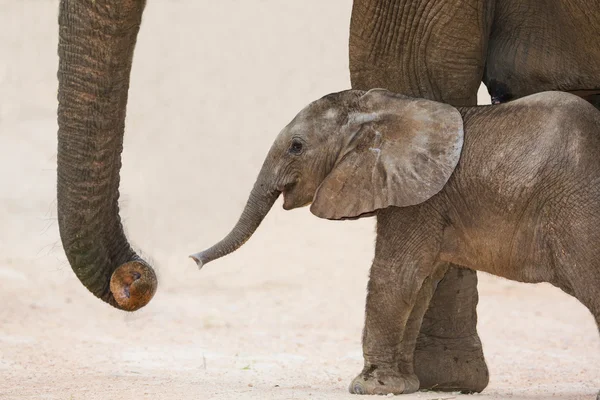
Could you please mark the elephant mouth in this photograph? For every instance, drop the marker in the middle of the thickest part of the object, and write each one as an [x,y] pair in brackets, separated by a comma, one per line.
[290,197]
[287,193]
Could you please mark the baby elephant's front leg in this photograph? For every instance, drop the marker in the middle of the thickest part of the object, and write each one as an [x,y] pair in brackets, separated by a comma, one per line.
[395,296]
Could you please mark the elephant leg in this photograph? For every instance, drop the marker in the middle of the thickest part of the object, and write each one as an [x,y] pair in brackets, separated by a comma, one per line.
[402,281]
[448,353]
[387,51]
[387,313]
[579,275]
[451,365]
[413,326]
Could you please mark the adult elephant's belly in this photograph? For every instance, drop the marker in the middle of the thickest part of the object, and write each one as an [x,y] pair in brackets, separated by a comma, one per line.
[537,46]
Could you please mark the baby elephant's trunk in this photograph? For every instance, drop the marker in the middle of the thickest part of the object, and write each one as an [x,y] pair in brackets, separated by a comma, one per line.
[259,203]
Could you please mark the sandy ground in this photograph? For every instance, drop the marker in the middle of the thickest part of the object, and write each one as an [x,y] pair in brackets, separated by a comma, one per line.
[213,83]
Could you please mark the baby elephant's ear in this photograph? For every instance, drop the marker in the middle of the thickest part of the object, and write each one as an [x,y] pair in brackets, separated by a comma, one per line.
[402,153]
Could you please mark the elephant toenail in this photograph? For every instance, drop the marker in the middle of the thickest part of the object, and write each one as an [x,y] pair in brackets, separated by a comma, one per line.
[358,388]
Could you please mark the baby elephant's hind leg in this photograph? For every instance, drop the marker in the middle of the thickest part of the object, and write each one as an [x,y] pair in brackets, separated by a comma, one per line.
[587,291]
[578,265]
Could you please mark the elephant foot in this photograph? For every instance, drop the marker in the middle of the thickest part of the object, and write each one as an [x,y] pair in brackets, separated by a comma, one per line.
[451,364]
[374,380]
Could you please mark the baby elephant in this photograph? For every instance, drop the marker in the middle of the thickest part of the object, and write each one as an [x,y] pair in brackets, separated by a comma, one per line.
[512,190]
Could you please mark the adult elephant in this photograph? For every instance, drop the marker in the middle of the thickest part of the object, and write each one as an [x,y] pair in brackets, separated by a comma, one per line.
[442,50]
[437,49]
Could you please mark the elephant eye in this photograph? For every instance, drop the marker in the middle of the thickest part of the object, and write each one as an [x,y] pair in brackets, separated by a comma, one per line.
[296,147]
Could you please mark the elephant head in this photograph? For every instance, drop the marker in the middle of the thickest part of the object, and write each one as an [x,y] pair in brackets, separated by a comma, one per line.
[96,42]
[350,154]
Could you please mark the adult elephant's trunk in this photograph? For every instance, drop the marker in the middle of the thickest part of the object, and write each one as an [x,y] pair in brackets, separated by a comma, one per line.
[96,43]
[261,199]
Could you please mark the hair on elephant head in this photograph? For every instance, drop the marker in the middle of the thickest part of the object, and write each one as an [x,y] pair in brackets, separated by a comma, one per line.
[352,153]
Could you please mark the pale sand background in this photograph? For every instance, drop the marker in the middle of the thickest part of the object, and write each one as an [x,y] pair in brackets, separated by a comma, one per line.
[213,83]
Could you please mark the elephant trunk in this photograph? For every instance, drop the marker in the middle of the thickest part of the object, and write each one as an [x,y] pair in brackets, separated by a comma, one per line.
[261,199]
[96,43]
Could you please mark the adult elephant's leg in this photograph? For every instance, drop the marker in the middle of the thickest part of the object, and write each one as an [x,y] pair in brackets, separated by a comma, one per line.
[95,51]
[436,50]
[448,354]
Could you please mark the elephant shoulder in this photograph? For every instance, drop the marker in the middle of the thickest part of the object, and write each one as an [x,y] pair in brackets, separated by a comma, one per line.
[564,119]
[556,109]
[554,101]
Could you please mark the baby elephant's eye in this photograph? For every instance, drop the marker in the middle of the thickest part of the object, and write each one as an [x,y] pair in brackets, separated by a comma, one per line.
[296,147]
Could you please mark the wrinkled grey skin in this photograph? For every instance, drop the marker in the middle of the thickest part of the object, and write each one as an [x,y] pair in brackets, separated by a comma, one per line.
[512,190]
[442,50]
[434,49]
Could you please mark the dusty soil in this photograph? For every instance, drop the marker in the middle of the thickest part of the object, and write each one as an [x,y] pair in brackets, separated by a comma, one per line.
[213,83]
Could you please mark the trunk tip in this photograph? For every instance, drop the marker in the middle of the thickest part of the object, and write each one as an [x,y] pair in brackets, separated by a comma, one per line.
[133,285]
[198,259]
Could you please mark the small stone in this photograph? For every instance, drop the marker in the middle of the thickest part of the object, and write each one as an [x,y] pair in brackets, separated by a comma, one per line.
[339,379]
[390,395]
[250,385]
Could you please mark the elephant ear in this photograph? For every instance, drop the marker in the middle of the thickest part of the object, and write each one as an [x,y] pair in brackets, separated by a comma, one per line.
[402,152]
